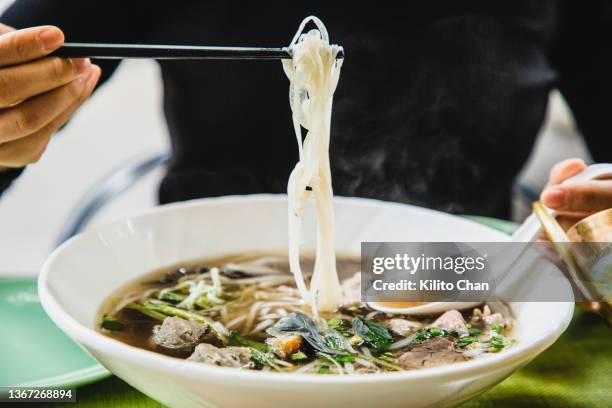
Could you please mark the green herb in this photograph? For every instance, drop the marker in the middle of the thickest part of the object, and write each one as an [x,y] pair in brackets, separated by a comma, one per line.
[497,342]
[388,357]
[374,334]
[380,362]
[343,358]
[429,332]
[434,331]
[262,359]
[147,312]
[341,326]
[450,333]
[474,331]
[171,296]
[110,323]
[355,340]
[335,323]
[326,341]
[498,328]
[465,341]
[299,356]
[237,340]
[335,341]
[323,369]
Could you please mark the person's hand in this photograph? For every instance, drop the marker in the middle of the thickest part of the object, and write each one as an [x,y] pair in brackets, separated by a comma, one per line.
[38,94]
[578,200]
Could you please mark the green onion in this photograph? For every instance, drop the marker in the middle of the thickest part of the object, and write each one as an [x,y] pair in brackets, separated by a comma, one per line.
[147,312]
[497,328]
[497,342]
[299,356]
[335,323]
[465,341]
[323,369]
[171,296]
[237,340]
[381,362]
[343,358]
[429,332]
[110,323]
[474,331]
[374,334]
[388,357]
[434,331]
[262,359]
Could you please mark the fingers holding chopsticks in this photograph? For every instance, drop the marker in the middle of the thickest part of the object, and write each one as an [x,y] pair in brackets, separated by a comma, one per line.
[575,201]
[38,93]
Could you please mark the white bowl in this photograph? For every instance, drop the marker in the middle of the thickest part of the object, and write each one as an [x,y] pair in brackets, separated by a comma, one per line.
[83,272]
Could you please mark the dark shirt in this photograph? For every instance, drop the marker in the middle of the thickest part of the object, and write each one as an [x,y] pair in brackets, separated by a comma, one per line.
[438,104]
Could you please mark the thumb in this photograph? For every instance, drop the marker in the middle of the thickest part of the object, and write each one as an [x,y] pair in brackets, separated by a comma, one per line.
[28,44]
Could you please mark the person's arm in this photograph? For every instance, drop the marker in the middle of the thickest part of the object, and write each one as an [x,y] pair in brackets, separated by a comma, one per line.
[83,21]
[38,93]
[582,58]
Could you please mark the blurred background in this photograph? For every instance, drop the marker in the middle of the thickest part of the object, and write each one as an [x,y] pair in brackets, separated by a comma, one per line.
[122,124]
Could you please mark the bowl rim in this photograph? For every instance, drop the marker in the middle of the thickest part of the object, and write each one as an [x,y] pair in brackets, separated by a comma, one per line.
[91,338]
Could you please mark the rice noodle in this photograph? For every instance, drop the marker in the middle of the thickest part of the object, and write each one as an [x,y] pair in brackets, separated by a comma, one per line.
[403,342]
[251,316]
[267,279]
[235,322]
[126,300]
[365,362]
[216,281]
[307,367]
[262,325]
[313,74]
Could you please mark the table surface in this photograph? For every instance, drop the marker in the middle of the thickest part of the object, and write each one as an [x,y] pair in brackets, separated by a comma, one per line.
[576,371]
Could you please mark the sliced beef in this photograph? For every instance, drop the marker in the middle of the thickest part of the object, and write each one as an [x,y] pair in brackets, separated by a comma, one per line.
[501,308]
[412,360]
[452,320]
[236,357]
[430,353]
[490,318]
[178,334]
[403,327]
[434,345]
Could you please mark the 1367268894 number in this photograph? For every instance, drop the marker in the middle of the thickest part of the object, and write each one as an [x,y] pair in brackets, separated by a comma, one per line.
[25,394]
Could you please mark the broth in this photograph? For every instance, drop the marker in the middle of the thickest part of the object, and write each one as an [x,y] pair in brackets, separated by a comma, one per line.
[245,311]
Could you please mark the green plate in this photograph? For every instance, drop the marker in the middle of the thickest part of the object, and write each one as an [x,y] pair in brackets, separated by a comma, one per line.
[33,350]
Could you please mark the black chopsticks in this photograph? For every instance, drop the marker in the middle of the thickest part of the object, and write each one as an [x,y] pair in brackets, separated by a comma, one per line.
[165,52]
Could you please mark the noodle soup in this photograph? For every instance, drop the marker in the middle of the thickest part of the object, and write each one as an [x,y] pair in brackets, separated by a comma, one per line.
[245,312]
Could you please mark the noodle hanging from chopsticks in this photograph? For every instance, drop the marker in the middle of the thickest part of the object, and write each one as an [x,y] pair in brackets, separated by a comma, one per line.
[313,73]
